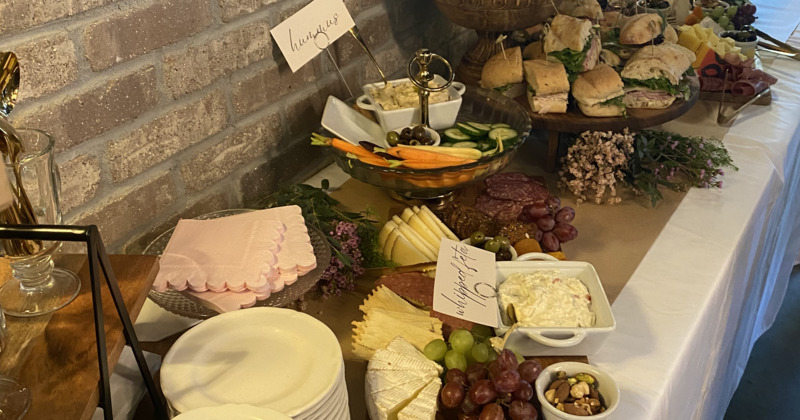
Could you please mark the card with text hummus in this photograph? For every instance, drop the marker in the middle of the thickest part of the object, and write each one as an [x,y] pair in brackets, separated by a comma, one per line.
[306,33]
[465,284]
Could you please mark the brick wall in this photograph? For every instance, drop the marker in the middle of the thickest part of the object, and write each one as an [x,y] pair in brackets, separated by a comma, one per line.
[172,108]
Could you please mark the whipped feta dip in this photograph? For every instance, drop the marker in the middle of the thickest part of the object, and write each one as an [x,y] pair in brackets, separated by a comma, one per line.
[547,299]
[404,95]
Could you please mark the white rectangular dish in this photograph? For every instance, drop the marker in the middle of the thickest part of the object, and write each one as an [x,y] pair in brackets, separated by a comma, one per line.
[348,124]
[557,341]
[441,115]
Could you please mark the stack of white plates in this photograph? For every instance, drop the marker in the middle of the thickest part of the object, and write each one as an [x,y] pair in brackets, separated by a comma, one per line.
[273,358]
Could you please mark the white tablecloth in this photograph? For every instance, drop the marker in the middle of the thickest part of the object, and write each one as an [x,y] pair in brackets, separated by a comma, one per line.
[714,279]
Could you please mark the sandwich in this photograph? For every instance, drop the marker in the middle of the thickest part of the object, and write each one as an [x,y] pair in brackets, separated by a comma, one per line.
[656,75]
[573,43]
[589,9]
[599,92]
[646,29]
[503,73]
[548,86]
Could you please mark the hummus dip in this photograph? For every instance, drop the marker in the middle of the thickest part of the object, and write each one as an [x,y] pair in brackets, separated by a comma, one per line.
[404,95]
[546,299]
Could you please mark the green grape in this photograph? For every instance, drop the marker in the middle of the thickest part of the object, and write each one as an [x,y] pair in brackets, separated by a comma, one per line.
[435,350]
[717,12]
[461,340]
[482,332]
[492,353]
[480,352]
[731,11]
[455,360]
[723,21]
[730,27]
[706,14]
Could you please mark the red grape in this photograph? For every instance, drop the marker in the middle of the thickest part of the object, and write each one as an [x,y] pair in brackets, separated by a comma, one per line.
[504,398]
[482,392]
[524,392]
[546,223]
[529,370]
[507,360]
[565,215]
[538,235]
[536,210]
[550,242]
[492,412]
[494,368]
[452,394]
[463,416]
[522,410]
[553,202]
[565,232]
[507,381]
[469,407]
[476,371]
[456,375]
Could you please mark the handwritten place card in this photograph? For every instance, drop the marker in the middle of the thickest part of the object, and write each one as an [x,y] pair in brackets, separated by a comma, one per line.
[304,34]
[465,283]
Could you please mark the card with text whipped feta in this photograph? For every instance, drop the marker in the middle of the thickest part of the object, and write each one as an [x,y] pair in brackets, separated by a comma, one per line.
[306,33]
[465,284]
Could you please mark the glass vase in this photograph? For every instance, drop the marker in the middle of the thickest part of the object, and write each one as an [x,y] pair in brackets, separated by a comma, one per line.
[36,286]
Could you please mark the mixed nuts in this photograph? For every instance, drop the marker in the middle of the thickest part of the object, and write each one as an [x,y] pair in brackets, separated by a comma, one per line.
[576,395]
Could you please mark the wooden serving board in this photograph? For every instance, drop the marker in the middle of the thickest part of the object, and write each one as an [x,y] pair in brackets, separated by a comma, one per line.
[573,121]
[55,355]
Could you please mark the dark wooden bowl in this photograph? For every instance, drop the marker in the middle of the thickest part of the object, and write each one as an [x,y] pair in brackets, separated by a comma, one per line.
[497,15]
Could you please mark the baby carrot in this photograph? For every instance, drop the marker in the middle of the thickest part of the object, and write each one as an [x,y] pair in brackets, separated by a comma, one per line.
[417,154]
[432,164]
[347,147]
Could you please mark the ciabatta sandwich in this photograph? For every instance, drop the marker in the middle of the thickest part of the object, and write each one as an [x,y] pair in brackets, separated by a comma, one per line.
[656,75]
[503,73]
[573,43]
[589,9]
[599,92]
[548,86]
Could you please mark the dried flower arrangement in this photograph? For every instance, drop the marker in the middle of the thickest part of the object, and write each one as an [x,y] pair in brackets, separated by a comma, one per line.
[597,161]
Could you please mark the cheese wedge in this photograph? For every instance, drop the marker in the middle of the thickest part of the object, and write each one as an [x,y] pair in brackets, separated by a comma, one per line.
[388,245]
[422,246]
[408,212]
[447,232]
[404,253]
[385,231]
[426,233]
[424,405]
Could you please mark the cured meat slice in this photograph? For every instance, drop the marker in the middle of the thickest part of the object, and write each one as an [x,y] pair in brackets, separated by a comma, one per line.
[748,88]
[518,191]
[507,176]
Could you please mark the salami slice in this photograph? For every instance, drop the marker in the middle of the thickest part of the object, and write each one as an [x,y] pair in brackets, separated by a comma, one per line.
[518,191]
[748,88]
[505,177]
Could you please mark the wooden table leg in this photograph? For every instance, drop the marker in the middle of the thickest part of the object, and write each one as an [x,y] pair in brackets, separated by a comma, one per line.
[552,151]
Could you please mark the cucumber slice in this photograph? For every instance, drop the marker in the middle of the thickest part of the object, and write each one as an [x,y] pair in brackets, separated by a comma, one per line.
[482,128]
[455,135]
[468,130]
[470,144]
[446,144]
[500,125]
[484,146]
[503,133]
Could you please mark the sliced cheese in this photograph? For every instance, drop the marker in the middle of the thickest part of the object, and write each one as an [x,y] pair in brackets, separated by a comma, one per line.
[385,231]
[424,405]
[447,232]
[404,253]
[408,212]
[426,233]
[432,225]
[419,243]
[388,246]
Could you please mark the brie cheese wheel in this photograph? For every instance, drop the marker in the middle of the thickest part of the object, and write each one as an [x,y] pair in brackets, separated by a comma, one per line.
[401,383]
[423,407]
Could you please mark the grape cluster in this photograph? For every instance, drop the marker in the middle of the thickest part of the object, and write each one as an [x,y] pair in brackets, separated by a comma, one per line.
[734,17]
[462,347]
[502,389]
[554,222]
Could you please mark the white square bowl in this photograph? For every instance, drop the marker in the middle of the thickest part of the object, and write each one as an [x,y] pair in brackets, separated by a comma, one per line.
[441,115]
[557,341]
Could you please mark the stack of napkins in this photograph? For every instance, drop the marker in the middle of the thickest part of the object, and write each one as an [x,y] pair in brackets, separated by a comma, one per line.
[234,261]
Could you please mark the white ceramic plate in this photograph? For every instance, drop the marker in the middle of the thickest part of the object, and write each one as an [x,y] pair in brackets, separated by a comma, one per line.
[348,124]
[266,357]
[233,412]
[323,407]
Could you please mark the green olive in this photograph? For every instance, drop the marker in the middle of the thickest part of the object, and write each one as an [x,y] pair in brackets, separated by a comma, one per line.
[392,138]
[491,245]
[477,238]
[505,243]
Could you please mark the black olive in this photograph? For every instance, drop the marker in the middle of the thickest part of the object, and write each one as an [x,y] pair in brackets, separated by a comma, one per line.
[504,254]
[406,132]
[418,132]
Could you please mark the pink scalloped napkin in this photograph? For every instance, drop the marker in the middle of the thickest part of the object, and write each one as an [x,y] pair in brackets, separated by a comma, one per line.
[231,262]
